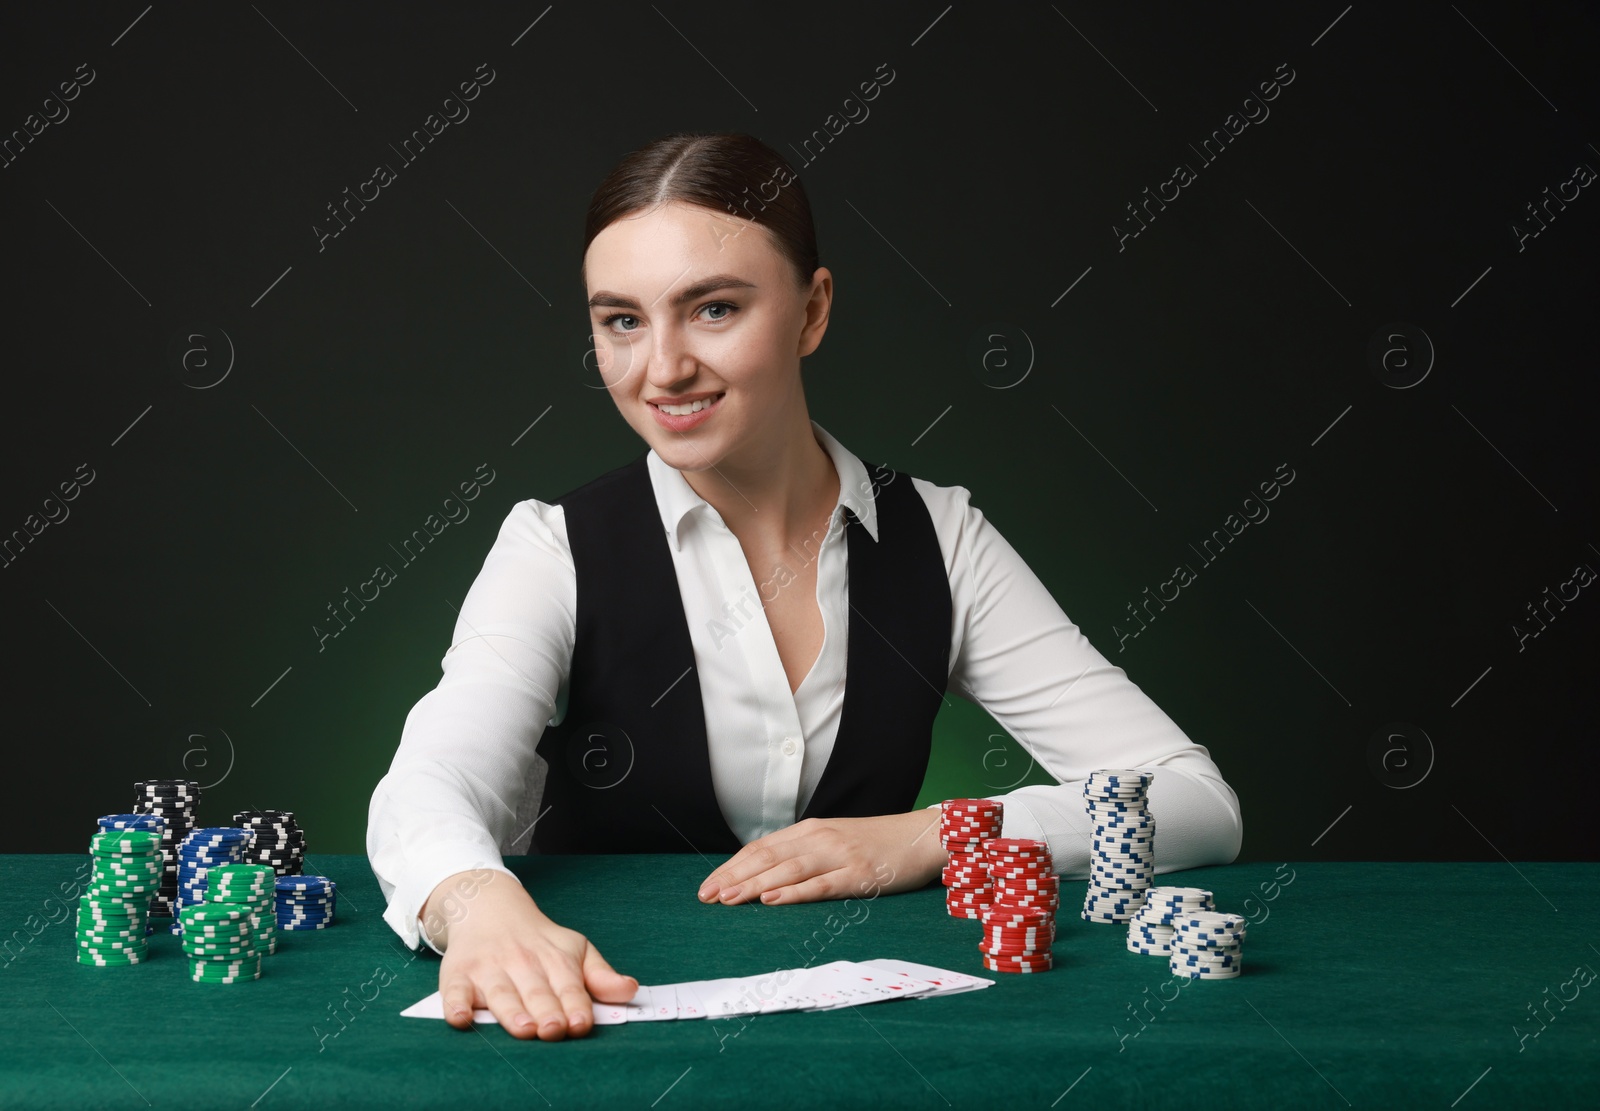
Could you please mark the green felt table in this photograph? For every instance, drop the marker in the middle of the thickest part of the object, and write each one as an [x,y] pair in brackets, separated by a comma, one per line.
[1365,985]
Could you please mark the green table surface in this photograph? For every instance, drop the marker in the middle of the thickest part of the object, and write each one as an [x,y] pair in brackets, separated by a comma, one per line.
[1365,985]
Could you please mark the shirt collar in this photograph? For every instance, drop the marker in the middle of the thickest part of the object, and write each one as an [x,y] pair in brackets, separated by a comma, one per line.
[676,499]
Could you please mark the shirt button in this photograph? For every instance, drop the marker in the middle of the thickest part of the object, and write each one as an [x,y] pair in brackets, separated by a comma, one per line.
[789,747]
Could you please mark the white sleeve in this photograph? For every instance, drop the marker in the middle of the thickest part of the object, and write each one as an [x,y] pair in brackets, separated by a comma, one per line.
[1015,653]
[450,797]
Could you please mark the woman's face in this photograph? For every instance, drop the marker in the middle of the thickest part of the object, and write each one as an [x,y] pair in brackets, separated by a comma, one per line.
[688,303]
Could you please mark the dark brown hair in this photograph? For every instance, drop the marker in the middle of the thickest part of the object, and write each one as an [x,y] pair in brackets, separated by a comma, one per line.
[726,171]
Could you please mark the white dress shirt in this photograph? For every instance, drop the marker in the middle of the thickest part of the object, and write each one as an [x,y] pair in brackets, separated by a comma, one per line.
[451,798]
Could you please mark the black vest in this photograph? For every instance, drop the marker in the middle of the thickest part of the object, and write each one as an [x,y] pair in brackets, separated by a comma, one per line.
[629,769]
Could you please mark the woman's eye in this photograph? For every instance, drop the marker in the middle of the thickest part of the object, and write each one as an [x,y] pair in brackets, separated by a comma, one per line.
[728,310]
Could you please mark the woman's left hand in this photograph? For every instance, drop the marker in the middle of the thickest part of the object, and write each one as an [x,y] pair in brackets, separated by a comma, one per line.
[832,858]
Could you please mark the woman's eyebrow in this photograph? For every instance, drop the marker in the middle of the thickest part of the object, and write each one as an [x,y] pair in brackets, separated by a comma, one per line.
[607,299]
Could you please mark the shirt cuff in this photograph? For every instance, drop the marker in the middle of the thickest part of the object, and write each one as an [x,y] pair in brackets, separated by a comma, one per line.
[426,871]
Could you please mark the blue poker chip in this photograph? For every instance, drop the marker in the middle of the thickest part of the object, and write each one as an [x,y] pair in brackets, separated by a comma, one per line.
[304,883]
[149,822]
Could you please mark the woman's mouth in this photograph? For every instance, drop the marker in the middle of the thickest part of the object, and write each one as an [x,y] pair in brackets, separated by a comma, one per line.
[681,418]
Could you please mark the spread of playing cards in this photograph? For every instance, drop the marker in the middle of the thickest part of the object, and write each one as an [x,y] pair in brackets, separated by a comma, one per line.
[837,984]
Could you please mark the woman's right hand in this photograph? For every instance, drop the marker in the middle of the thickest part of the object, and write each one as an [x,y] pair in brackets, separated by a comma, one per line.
[503,953]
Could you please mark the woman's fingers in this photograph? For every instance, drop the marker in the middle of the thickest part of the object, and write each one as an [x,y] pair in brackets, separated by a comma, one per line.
[753,859]
[830,885]
[829,858]
[526,1009]
[566,983]
[604,982]
[784,872]
[457,994]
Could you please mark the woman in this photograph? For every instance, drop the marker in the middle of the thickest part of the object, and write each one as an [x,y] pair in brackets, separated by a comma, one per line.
[745,626]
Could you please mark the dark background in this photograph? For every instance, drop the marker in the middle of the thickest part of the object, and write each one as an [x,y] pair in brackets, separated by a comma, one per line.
[332,398]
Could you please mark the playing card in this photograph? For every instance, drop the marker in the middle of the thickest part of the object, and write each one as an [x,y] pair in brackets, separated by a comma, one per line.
[653,1004]
[945,981]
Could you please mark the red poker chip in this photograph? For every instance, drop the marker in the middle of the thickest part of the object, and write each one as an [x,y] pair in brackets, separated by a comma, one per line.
[1017,916]
[1023,913]
[1004,905]
[1045,883]
[1042,924]
[1040,950]
[959,803]
[1012,871]
[963,912]
[1026,898]
[1004,964]
[1018,958]
[1025,856]
[1016,948]
[1045,925]
[1016,845]
[1044,938]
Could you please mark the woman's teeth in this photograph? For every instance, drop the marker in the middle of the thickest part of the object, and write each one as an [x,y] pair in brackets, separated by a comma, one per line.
[685,410]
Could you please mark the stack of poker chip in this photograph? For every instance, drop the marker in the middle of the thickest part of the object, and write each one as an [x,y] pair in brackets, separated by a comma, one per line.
[1207,945]
[279,842]
[1019,924]
[150,823]
[174,802]
[1122,853]
[1150,930]
[219,944]
[113,913]
[201,851]
[305,902]
[964,825]
[251,888]
[111,932]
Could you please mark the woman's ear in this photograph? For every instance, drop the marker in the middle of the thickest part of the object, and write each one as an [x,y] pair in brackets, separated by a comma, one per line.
[818,305]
